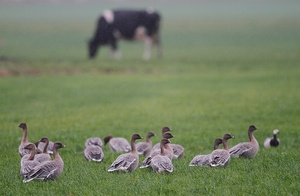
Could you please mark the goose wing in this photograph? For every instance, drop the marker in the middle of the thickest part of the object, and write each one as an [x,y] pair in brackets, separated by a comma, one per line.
[42,171]
[123,162]
[239,149]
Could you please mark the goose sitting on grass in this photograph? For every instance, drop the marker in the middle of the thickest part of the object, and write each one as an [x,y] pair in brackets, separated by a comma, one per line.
[272,141]
[246,149]
[48,169]
[221,157]
[161,163]
[144,148]
[28,162]
[93,149]
[203,160]
[168,151]
[127,162]
[117,144]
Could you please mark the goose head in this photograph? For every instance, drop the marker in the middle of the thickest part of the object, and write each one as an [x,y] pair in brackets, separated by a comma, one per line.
[275,132]
[58,145]
[252,128]
[107,139]
[165,130]
[168,135]
[135,137]
[30,147]
[44,140]
[227,136]
[23,125]
[150,134]
[165,141]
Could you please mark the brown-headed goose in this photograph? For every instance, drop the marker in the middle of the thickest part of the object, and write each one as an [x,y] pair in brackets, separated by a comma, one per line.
[41,146]
[28,162]
[44,156]
[221,157]
[163,131]
[48,169]
[24,141]
[127,162]
[168,151]
[144,148]
[93,141]
[93,153]
[272,141]
[117,144]
[161,163]
[203,160]
[246,149]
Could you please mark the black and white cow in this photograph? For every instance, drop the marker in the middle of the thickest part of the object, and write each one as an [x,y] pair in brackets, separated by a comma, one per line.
[128,25]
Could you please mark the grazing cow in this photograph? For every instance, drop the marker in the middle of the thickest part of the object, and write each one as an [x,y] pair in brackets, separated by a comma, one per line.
[129,25]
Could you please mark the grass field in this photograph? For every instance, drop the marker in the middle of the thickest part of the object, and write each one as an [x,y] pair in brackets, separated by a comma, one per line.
[226,65]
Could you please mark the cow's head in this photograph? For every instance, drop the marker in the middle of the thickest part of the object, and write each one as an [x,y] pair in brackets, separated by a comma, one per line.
[92,48]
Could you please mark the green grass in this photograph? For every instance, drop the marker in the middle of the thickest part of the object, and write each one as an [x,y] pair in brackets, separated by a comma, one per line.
[226,66]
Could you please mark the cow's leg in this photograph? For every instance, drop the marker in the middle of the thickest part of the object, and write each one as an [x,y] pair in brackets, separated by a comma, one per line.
[147,48]
[114,52]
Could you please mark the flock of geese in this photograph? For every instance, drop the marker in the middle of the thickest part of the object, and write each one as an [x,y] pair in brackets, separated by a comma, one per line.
[41,160]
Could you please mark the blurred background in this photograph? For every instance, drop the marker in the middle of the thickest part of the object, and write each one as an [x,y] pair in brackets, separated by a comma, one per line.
[58,29]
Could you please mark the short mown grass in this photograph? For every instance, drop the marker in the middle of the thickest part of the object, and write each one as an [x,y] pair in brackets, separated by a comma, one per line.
[223,70]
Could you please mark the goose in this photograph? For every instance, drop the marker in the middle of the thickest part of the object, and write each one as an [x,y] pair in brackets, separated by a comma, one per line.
[41,146]
[48,169]
[272,141]
[95,141]
[168,151]
[127,162]
[161,163]
[246,149]
[24,141]
[144,148]
[117,144]
[93,153]
[44,156]
[28,162]
[163,131]
[221,157]
[203,160]
[178,151]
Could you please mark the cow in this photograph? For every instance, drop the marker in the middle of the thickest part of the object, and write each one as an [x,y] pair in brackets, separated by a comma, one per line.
[113,25]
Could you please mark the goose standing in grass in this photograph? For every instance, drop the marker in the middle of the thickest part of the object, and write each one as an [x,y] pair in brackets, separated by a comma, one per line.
[93,152]
[161,163]
[24,140]
[93,141]
[272,141]
[28,162]
[117,144]
[168,151]
[163,131]
[203,160]
[127,162]
[246,149]
[44,156]
[48,169]
[221,157]
[144,148]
